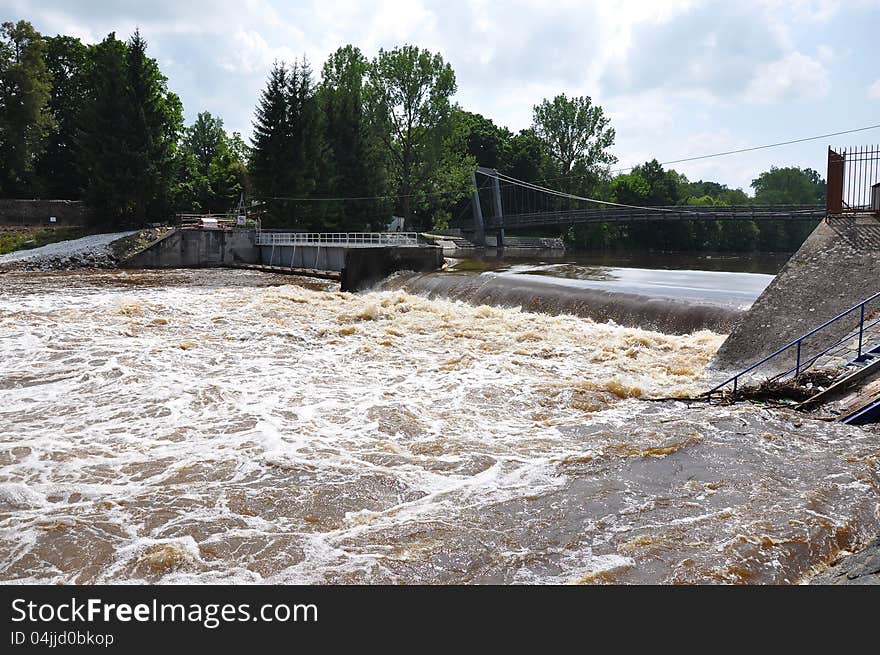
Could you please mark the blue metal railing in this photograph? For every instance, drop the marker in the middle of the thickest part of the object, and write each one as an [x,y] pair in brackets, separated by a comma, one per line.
[801,363]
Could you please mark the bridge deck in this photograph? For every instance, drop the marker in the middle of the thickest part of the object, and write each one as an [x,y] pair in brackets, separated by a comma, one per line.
[659,214]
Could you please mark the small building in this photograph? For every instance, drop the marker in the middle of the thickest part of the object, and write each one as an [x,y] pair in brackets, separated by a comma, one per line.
[395,225]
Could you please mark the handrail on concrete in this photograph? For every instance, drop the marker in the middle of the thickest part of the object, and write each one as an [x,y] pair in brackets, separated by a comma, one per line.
[345,239]
[798,343]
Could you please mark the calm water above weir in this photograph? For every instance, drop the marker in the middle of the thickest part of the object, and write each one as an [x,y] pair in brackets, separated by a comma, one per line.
[230,426]
[730,280]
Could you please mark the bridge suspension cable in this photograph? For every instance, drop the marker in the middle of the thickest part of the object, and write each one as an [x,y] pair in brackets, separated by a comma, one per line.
[562,194]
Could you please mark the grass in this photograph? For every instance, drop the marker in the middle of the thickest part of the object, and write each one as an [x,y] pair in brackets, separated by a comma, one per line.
[25,240]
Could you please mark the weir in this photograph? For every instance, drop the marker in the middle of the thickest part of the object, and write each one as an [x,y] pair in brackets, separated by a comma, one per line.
[357,259]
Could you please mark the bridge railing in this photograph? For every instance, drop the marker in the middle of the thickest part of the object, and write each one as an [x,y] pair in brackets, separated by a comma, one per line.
[802,361]
[342,239]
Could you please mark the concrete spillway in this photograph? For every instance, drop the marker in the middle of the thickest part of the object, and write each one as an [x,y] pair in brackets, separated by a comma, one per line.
[836,267]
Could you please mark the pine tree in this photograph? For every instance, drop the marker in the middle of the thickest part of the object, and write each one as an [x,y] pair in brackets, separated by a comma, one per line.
[105,136]
[157,117]
[128,135]
[271,144]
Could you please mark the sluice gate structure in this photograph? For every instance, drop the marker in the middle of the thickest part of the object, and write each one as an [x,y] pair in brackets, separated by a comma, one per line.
[357,259]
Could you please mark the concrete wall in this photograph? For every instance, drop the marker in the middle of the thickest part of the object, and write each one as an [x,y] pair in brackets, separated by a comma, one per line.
[360,267]
[197,249]
[837,267]
[364,267]
[37,212]
[325,258]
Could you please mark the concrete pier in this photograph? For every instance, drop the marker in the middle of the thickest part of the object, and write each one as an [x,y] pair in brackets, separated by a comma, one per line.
[197,249]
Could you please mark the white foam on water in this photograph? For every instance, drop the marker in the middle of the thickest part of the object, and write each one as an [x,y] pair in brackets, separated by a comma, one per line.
[220,432]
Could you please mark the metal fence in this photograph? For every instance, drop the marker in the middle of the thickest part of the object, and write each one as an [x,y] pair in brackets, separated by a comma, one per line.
[858,321]
[345,239]
[853,180]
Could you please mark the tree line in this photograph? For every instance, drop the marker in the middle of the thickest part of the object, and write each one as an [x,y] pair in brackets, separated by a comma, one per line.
[344,149]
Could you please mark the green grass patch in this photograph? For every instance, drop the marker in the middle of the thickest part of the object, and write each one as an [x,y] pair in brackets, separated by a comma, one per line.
[10,241]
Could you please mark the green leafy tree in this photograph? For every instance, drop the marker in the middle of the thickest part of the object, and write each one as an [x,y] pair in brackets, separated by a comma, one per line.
[789,186]
[354,162]
[408,100]
[527,157]
[487,143]
[213,166]
[663,186]
[576,133]
[68,60]
[25,115]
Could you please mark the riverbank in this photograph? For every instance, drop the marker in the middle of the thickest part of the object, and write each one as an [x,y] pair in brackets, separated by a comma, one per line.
[93,251]
[860,568]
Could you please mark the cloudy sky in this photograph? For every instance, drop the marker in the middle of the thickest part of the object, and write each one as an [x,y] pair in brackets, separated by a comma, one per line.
[679,78]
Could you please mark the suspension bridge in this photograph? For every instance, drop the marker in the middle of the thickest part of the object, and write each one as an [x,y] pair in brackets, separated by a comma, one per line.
[519,204]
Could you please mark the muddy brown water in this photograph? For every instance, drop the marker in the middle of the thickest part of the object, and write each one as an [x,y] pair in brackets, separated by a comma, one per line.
[231,426]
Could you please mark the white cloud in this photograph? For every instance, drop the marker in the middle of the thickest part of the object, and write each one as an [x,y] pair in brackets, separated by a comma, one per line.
[250,54]
[677,77]
[793,77]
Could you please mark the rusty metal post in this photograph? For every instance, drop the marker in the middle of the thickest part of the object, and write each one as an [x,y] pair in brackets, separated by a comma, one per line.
[834,186]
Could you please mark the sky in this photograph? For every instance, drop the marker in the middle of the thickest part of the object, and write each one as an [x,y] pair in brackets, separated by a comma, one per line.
[678,78]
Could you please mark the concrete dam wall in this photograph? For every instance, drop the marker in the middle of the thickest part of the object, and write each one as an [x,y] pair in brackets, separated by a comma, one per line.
[837,267]
[197,249]
[360,267]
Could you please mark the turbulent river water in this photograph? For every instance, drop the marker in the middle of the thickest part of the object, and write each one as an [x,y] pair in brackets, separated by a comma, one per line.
[231,426]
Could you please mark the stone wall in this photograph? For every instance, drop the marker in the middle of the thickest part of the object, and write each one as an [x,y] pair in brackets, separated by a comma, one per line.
[38,212]
[837,267]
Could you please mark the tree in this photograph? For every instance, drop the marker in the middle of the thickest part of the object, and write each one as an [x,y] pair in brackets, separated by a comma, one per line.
[354,163]
[157,118]
[104,135]
[408,99]
[213,166]
[271,139]
[288,156]
[575,132]
[25,116]
[487,143]
[789,186]
[68,60]
[663,186]
[127,136]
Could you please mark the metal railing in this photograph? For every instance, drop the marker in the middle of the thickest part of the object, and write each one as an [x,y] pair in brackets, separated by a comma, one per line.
[853,184]
[803,363]
[663,214]
[343,239]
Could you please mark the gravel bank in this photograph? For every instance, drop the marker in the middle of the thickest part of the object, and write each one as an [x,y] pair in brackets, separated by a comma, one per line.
[93,251]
